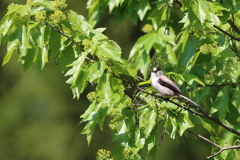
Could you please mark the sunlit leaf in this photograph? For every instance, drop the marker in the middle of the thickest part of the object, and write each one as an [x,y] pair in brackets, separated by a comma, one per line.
[96,70]
[79,22]
[109,49]
[13,44]
[103,89]
[191,78]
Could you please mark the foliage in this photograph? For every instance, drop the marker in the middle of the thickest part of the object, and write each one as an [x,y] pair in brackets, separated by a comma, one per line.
[197,40]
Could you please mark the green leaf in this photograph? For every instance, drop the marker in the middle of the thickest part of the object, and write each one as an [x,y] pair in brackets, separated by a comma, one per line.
[194,19]
[102,114]
[145,82]
[189,51]
[113,4]
[109,49]
[143,7]
[141,60]
[78,77]
[190,78]
[55,43]
[96,70]
[40,33]
[236,99]
[7,23]
[147,120]
[45,3]
[95,113]
[205,7]
[20,9]
[199,8]
[66,57]
[24,42]
[123,67]
[27,60]
[151,143]
[139,55]
[115,98]
[103,90]
[76,68]
[89,130]
[139,140]
[27,49]
[172,127]
[146,42]
[91,113]
[202,93]
[13,44]
[184,122]
[226,53]
[79,22]
[198,121]
[159,14]
[122,131]
[81,83]
[220,104]
[171,55]
[184,37]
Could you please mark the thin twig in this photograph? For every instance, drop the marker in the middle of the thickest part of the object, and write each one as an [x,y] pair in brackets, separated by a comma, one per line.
[63,34]
[204,138]
[221,150]
[141,78]
[70,38]
[211,142]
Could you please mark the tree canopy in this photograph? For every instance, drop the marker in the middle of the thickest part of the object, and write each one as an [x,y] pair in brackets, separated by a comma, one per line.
[196,42]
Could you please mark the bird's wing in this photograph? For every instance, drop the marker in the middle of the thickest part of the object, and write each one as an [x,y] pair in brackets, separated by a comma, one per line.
[165,81]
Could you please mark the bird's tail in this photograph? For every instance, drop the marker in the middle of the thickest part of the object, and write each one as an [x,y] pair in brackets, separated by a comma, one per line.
[197,105]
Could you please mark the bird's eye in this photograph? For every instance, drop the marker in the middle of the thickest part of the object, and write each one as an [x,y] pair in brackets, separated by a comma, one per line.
[155,69]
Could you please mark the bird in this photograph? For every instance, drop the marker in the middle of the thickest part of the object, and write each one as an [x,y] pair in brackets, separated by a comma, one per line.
[166,87]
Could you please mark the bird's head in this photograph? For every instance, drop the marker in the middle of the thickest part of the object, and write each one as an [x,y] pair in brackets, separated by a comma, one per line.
[157,71]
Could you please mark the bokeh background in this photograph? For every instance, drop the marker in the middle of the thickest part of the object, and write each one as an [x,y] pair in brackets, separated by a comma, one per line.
[39,117]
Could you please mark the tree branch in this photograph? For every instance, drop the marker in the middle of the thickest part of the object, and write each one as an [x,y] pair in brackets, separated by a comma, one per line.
[204,115]
[211,142]
[234,27]
[221,150]
[204,138]
[231,36]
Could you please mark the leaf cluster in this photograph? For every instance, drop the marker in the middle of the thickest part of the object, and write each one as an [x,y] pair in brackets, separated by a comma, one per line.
[196,42]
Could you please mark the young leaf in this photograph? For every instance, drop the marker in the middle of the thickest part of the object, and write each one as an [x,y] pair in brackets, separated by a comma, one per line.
[109,49]
[89,130]
[96,70]
[103,89]
[79,22]
[183,122]
[147,121]
[78,77]
[13,44]
[190,78]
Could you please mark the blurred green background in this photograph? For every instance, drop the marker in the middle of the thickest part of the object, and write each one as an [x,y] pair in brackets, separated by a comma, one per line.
[39,117]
